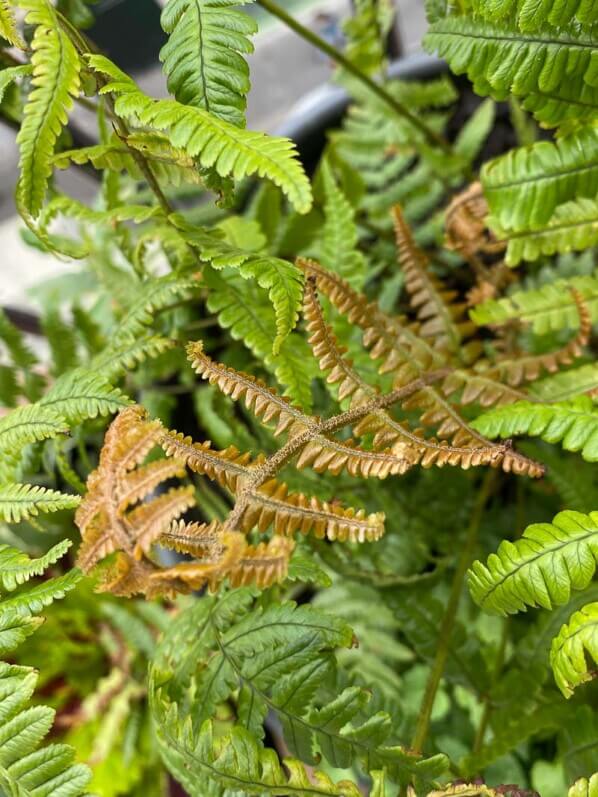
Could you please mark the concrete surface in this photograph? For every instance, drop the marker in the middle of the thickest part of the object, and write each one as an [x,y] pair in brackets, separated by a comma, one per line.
[283,69]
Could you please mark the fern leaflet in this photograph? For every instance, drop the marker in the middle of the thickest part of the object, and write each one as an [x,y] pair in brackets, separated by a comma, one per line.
[576,640]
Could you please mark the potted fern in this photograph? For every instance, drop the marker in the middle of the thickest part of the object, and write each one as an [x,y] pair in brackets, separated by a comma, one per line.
[265,489]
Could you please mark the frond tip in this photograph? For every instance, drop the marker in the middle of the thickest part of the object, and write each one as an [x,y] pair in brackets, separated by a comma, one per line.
[540,569]
[576,642]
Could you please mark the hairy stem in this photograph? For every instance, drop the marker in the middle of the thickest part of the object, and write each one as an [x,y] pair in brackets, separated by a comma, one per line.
[292,447]
[450,616]
[399,109]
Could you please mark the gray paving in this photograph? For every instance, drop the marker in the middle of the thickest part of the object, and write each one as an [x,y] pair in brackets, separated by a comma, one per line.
[284,68]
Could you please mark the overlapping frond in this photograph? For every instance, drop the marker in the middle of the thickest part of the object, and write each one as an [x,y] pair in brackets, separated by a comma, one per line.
[22,501]
[55,83]
[28,768]
[8,26]
[541,568]
[584,787]
[532,15]
[203,58]
[232,152]
[442,319]
[574,653]
[573,424]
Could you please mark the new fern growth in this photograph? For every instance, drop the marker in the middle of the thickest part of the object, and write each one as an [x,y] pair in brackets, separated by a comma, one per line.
[353,361]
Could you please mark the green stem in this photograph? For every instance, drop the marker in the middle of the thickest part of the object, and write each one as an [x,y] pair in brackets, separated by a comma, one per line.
[450,616]
[431,135]
[498,665]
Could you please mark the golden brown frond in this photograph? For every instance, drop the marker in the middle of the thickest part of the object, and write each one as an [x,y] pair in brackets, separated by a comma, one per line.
[442,319]
[201,540]
[465,224]
[272,505]
[227,467]
[481,388]
[105,517]
[243,564]
[265,403]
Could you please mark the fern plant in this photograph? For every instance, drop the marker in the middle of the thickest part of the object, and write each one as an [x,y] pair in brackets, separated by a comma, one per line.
[273,600]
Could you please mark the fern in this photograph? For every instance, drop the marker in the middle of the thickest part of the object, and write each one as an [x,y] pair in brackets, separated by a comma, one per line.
[576,641]
[572,227]
[8,26]
[531,15]
[288,683]
[55,82]
[11,73]
[367,31]
[567,384]
[339,250]
[525,186]
[546,309]
[203,58]
[26,768]
[584,787]
[22,501]
[500,59]
[216,143]
[282,280]
[541,568]
[573,423]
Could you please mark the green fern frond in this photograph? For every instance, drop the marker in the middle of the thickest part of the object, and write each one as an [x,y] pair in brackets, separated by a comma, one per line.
[525,186]
[55,83]
[62,341]
[282,279]
[573,423]
[367,32]
[584,787]
[17,567]
[573,227]
[532,15]
[117,358]
[170,165]
[501,59]
[8,26]
[26,769]
[236,645]
[22,501]
[11,73]
[232,152]
[81,394]
[203,58]
[339,250]
[577,640]
[152,296]
[236,761]
[547,309]
[14,341]
[24,425]
[246,311]
[541,568]
[567,384]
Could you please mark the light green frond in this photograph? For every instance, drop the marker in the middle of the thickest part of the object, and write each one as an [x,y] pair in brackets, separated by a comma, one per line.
[574,649]
[541,568]
[232,152]
[55,83]
[152,296]
[22,426]
[339,251]
[118,358]
[26,769]
[11,73]
[573,424]
[584,787]
[567,384]
[246,311]
[14,340]
[81,394]
[8,26]
[17,567]
[367,32]
[22,501]
[572,228]
[547,309]
[525,186]
[282,279]
[500,59]
[203,58]
[532,15]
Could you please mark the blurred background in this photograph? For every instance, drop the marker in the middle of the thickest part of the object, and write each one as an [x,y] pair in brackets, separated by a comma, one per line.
[287,74]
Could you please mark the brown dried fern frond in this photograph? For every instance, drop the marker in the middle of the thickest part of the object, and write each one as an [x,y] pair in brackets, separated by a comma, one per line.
[467,449]
[443,320]
[466,230]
